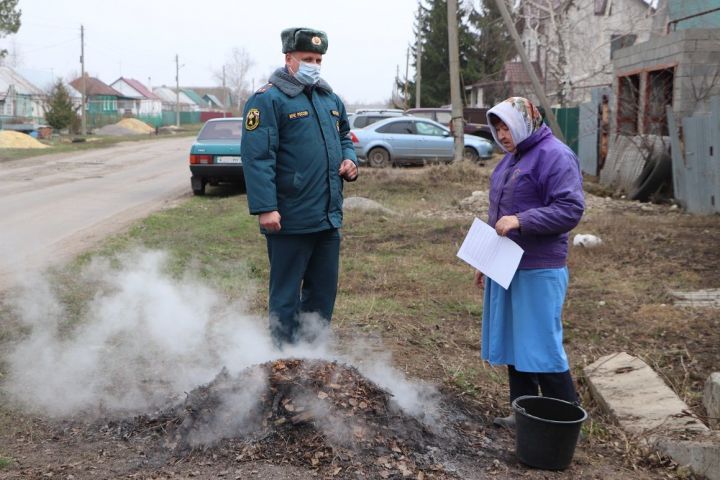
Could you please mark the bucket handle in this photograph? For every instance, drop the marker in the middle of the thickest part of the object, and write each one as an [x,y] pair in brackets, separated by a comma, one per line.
[524,412]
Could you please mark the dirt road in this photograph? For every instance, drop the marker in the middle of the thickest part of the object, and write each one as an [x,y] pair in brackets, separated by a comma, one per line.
[55,206]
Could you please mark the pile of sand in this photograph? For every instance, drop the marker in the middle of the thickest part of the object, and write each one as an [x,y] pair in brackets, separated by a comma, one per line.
[126,127]
[10,139]
[135,125]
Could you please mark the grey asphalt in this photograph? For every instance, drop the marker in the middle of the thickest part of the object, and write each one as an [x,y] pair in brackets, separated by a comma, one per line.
[53,207]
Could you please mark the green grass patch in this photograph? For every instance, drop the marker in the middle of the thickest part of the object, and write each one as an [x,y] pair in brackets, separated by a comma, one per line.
[6,462]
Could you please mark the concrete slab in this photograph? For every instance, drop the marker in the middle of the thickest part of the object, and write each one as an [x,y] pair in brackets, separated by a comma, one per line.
[711,399]
[701,454]
[638,398]
[709,298]
[645,406]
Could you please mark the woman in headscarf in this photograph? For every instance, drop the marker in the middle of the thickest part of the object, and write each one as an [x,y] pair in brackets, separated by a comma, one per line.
[536,198]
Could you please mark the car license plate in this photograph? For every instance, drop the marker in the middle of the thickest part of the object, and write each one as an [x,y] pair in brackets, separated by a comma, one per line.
[228,160]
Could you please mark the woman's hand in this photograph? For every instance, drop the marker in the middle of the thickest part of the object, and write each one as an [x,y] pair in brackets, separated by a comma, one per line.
[506,224]
[479,279]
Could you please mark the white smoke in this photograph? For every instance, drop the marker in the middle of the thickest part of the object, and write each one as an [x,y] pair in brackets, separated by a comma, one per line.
[146,338]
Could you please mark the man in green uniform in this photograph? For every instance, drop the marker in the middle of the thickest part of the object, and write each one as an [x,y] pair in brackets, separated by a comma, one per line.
[296,155]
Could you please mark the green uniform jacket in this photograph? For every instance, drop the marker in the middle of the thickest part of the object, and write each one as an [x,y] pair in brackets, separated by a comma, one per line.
[292,148]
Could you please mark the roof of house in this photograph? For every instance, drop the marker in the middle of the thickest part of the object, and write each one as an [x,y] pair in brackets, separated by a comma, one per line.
[219,92]
[45,80]
[95,87]
[212,98]
[514,72]
[194,97]
[168,95]
[138,87]
[9,76]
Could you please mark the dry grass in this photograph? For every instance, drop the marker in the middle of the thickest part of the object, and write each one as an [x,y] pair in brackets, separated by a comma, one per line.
[401,284]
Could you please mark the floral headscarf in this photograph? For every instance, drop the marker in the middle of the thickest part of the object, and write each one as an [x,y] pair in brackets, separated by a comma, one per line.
[520,115]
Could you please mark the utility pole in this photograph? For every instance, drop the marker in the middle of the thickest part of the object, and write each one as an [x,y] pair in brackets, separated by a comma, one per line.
[225,106]
[455,100]
[177,91]
[407,68]
[83,114]
[418,69]
[530,70]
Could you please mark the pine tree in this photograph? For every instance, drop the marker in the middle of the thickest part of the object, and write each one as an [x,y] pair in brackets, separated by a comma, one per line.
[431,27]
[59,112]
[494,47]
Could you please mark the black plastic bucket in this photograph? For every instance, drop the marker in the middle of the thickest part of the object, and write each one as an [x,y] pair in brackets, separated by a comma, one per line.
[547,431]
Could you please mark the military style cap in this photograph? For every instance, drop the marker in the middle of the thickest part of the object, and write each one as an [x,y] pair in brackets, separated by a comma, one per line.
[304,40]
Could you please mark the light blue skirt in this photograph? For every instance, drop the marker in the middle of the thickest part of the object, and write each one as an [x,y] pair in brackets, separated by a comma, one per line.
[522,326]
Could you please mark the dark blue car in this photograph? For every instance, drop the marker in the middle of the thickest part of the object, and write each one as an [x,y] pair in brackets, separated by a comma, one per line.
[215,155]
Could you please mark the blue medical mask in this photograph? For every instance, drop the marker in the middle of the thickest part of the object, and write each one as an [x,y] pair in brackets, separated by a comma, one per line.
[308,73]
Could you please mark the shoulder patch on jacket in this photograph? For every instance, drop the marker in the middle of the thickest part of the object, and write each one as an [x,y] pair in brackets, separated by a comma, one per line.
[264,88]
[252,120]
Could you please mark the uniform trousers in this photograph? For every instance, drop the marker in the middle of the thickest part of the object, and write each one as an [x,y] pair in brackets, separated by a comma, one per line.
[303,280]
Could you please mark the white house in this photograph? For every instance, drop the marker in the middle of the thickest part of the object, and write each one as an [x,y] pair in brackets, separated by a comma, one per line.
[19,99]
[45,80]
[140,102]
[573,42]
[169,99]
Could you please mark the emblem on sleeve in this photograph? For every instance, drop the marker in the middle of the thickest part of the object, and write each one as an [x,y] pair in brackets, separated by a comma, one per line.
[252,120]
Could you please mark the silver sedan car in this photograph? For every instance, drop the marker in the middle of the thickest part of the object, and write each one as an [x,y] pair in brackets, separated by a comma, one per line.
[408,140]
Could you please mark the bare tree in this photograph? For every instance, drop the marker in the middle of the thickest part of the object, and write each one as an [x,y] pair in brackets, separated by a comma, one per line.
[573,39]
[237,75]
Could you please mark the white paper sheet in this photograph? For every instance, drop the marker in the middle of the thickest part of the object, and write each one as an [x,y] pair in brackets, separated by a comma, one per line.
[495,256]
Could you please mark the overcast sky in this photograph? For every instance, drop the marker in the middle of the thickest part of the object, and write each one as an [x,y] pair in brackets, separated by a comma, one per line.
[138,39]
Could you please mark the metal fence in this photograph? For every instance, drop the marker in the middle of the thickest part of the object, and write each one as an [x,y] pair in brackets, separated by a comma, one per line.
[593,131]
[696,160]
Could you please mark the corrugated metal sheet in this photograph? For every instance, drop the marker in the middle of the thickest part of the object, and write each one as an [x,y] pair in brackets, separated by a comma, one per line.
[696,160]
[627,157]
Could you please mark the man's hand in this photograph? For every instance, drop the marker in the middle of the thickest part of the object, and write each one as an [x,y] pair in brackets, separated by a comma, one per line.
[479,279]
[270,221]
[348,170]
[507,224]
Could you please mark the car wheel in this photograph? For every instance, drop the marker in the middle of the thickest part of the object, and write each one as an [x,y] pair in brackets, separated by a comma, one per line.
[379,158]
[198,185]
[470,155]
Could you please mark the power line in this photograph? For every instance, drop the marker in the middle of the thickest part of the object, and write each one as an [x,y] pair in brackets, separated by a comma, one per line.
[46,47]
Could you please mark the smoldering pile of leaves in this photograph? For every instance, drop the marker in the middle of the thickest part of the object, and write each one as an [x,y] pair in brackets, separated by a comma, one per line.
[318,414]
